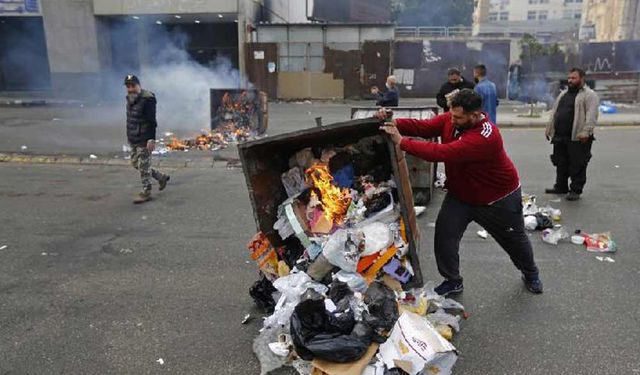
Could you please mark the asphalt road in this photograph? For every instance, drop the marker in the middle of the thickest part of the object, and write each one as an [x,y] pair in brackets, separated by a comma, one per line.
[91,284]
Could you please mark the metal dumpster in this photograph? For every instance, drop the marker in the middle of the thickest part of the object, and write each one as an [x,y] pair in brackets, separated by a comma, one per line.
[422,174]
[265,160]
[242,108]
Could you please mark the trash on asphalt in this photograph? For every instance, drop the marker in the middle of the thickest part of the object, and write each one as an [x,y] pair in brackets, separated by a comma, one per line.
[23,148]
[419,210]
[600,243]
[441,178]
[3,247]
[415,346]
[554,235]
[160,361]
[483,234]
[336,252]
[577,239]
[606,259]
[607,107]
[246,319]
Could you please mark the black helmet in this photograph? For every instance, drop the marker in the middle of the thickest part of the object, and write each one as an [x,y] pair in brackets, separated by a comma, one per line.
[130,79]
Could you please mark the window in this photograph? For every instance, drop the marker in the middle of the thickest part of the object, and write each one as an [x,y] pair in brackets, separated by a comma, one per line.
[544,1]
[531,15]
[542,15]
[577,15]
[567,14]
[533,1]
[493,16]
[504,16]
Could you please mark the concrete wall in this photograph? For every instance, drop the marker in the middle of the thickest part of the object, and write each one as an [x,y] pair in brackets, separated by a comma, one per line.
[72,45]
[309,85]
[116,7]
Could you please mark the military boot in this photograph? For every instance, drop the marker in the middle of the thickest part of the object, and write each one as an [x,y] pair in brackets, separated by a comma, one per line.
[144,196]
[162,182]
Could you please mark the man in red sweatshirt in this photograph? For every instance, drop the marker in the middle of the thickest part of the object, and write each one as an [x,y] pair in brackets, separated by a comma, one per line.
[482,183]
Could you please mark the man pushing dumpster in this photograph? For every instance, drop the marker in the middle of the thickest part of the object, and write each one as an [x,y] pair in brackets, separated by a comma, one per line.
[482,185]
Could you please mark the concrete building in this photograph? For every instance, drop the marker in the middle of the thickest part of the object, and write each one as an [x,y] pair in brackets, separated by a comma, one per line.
[549,20]
[610,20]
[61,44]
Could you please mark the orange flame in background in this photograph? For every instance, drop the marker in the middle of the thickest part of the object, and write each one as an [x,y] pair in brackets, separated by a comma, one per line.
[335,201]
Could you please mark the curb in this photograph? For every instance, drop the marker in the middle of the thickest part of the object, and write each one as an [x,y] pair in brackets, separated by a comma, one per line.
[201,162]
[40,103]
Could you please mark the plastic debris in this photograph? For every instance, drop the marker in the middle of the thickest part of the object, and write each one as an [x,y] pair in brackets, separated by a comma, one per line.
[23,148]
[246,319]
[419,210]
[600,243]
[483,234]
[160,361]
[92,156]
[553,236]
[3,247]
[269,361]
[606,259]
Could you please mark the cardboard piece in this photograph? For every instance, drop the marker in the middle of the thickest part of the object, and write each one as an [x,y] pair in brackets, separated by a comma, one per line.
[414,345]
[321,367]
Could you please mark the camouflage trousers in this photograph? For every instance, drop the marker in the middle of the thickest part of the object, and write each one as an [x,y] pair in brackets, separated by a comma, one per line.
[141,160]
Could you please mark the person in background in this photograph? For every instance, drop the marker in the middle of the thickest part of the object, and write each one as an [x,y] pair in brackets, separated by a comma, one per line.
[455,82]
[141,134]
[487,91]
[570,129]
[482,185]
[390,97]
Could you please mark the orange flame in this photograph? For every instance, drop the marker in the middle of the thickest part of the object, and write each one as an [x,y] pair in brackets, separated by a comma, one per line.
[335,201]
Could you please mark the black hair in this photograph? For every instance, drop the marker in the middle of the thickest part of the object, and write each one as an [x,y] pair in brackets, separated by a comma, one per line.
[453,71]
[580,72]
[482,69]
[468,99]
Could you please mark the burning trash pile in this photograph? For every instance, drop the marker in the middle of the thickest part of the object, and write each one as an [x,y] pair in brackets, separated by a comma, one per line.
[338,277]
[235,118]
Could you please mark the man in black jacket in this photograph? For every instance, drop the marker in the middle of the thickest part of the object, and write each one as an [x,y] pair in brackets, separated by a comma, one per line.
[455,82]
[141,134]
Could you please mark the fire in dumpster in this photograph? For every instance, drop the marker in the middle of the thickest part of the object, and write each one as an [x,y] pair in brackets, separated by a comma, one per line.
[235,117]
[334,201]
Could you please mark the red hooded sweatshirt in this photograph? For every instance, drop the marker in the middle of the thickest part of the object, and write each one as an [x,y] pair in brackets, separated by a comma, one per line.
[479,171]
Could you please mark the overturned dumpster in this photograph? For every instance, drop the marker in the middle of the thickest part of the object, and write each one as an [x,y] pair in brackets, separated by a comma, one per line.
[337,252]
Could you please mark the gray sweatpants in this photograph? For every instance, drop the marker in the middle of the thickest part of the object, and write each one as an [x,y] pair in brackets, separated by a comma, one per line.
[504,222]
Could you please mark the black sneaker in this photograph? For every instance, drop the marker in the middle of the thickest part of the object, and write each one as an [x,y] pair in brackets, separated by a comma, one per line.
[449,287]
[534,286]
[162,182]
[573,196]
[556,191]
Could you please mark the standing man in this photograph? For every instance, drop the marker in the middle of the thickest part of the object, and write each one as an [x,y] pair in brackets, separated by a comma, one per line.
[390,97]
[482,182]
[454,82]
[487,91]
[141,134]
[570,130]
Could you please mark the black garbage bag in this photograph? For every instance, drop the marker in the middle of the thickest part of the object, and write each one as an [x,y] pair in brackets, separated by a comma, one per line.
[544,221]
[339,291]
[383,310]
[262,293]
[334,337]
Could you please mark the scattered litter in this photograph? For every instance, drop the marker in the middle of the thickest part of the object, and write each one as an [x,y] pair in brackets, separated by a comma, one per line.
[553,236]
[160,361]
[44,254]
[246,319]
[557,200]
[600,243]
[577,239]
[55,119]
[606,259]
[419,210]
[92,156]
[23,148]
[3,247]
[441,178]
[616,166]
[483,234]
[144,217]
[126,251]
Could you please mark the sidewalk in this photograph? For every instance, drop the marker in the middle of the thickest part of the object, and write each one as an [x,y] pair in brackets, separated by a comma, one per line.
[70,134]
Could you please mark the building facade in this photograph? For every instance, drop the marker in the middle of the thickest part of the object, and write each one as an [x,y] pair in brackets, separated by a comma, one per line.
[610,20]
[549,20]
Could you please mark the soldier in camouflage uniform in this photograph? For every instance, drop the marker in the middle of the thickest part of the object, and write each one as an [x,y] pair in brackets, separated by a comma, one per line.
[141,134]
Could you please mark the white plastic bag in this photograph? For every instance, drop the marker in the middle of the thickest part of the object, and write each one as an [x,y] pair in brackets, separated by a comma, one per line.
[377,236]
